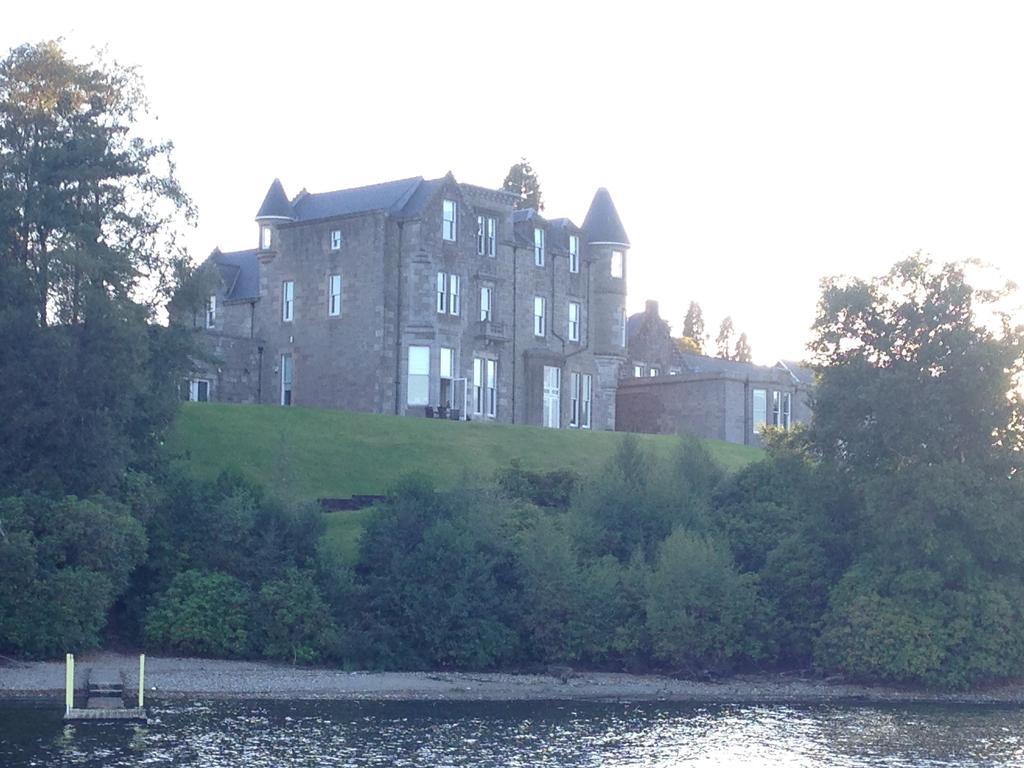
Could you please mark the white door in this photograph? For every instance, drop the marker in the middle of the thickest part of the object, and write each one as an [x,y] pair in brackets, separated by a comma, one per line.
[552,396]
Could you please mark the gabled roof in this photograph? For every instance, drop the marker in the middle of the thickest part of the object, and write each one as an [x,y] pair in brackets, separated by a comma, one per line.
[800,373]
[704,364]
[275,204]
[602,224]
[390,196]
[240,273]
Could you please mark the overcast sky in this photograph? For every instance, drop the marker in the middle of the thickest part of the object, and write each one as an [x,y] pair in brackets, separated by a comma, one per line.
[751,148]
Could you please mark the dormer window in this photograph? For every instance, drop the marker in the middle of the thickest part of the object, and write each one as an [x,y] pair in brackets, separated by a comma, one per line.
[335,239]
[265,238]
[574,254]
[538,246]
[618,263]
[448,220]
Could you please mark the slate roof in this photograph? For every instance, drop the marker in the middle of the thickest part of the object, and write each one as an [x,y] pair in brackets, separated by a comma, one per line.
[276,204]
[390,196]
[603,224]
[240,272]
[704,364]
[798,371]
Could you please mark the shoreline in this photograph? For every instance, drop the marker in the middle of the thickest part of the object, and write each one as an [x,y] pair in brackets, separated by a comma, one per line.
[180,678]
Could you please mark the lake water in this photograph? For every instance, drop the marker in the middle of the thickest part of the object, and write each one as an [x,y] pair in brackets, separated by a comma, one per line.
[253,734]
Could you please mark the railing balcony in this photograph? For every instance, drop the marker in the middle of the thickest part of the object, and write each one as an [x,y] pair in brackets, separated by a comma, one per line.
[492,330]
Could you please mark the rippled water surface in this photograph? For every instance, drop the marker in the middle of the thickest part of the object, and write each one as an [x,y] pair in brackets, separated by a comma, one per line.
[253,734]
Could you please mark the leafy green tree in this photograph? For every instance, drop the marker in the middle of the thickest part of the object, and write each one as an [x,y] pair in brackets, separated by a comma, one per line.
[693,326]
[202,613]
[522,181]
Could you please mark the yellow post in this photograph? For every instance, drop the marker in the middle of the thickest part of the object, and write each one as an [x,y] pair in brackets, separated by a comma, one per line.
[69,683]
[142,677]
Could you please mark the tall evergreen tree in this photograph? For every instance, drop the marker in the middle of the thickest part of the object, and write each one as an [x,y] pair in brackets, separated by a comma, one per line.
[742,352]
[522,181]
[724,339]
[693,326]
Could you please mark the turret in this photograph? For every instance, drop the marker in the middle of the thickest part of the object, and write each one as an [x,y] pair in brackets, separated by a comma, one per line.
[275,209]
[607,246]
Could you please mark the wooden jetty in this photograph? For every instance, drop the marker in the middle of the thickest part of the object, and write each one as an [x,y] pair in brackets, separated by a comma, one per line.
[105,694]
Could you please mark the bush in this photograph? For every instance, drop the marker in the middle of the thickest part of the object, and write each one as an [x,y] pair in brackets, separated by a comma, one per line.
[295,622]
[202,614]
[701,612]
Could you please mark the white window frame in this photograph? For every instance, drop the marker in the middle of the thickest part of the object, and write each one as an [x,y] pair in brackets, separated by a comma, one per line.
[335,239]
[638,371]
[574,254]
[776,408]
[486,236]
[478,386]
[449,220]
[266,237]
[574,397]
[787,410]
[574,321]
[287,301]
[540,327]
[538,246]
[442,293]
[193,390]
[287,379]
[759,408]
[654,371]
[454,304]
[417,387]
[552,397]
[446,372]
[486,303]
[334,296]
[492,388]
[211,311]
[618,264]
[622,328]
[586,400]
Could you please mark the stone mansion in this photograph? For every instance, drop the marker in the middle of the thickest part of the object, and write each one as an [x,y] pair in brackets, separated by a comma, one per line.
[421,297]
[440,299]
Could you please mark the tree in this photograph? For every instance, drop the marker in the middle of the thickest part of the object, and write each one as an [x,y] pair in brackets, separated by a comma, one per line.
[742,353]
[89,217]
[522,181]
[724,338]
[693,326]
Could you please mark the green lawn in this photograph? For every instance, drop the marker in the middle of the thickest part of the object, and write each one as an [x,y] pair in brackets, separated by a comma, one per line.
[315,453]
[312,453]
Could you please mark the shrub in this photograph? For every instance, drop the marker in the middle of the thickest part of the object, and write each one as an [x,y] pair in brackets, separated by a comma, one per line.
[201,613]
[294,620]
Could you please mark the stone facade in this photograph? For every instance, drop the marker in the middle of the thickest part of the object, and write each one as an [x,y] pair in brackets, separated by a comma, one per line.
[402,252]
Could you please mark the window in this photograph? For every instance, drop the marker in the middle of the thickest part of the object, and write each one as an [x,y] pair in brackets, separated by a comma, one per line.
[787,410]
[447,376]
[552,396]
[211,312]
[265,238]
[654,372]
[776,409]
[335,239]
[453,298]
[574,253]
[760,408]
[586,387]
[287,300]
[618,262]
[492,388]
[485,303]
[287,378]
[538,246]
[478,386]
[418,387]
[486,228]
[638,371]
[539,325]
[448,220]
[574,321]
[197,390]
[622,328]
[447,293]
[334,295]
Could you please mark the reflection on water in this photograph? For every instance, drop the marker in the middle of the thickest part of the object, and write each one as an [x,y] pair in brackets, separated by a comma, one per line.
[308,733]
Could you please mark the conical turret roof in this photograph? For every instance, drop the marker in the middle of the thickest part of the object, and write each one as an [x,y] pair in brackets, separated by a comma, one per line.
[275,204]
[602,224]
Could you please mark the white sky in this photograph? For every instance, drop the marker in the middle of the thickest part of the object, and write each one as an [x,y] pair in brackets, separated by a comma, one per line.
[751,148]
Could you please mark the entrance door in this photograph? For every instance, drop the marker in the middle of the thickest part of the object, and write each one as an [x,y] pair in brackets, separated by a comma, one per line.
[552,396]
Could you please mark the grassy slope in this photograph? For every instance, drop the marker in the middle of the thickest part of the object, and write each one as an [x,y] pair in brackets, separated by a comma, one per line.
[316,453]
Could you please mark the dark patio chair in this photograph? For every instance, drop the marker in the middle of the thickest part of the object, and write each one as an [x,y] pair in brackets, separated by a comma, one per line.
[428,411]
